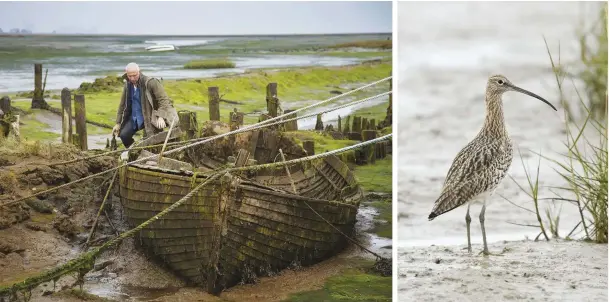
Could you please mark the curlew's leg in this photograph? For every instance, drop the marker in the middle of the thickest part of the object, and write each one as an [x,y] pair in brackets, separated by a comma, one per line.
[485,250]
[468,227]
[482,220]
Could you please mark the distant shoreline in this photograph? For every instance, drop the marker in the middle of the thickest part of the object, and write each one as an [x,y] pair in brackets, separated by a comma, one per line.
[228,75]
[20,35]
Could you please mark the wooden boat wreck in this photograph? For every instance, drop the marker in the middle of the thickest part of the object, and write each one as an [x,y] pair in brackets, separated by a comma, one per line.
[241,225]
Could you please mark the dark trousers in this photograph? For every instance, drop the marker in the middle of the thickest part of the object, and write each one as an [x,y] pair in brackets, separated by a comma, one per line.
[127,133]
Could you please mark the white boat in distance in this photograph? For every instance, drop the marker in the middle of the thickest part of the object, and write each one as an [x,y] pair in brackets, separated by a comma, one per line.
[167,47]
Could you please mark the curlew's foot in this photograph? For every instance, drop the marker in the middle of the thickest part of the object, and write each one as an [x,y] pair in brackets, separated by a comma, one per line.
[486,252]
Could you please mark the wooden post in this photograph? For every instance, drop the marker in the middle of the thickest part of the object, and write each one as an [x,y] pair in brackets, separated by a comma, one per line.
[354,136]
[188,124]
[66,122]
[346,127]
[292,125]
[308,145]
[214,103]
[382,152]
[319,125]
[5,109]
[236,119]
[372,124]
[389,110]
[264,117]
[233,125]
[242,158]
[37,81]
[38,99]
[240,118]
[365,124]
[254,142]
[272,100]
[387,122]
[369,151]
[357,124]
[339,124]
[5,105]
[81,121]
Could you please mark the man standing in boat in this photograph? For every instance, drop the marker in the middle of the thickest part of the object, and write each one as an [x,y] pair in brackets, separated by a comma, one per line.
[144,105]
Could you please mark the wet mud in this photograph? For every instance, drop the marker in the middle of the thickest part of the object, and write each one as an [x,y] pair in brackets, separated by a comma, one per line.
[37,238]
[521,273]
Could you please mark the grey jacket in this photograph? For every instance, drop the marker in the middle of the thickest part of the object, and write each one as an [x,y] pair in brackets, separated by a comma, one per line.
[155,103]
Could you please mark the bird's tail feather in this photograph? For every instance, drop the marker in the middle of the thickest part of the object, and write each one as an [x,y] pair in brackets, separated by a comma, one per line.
[445,203]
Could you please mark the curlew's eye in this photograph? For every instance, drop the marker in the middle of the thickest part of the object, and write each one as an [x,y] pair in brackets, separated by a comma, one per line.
[500,82]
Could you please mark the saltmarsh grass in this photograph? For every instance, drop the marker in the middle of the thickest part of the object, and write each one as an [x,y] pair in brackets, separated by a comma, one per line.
[584,163]
[383,44]
[593,43]
[26,147]
[210,64]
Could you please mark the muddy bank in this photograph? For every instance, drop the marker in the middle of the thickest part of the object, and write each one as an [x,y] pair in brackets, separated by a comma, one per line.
[52,123]
[24,171]
[46,230]
[526,271]
[135,277]
[37,242]
[132,276]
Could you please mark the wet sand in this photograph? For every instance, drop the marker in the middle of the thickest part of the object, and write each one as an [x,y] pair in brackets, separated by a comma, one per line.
[447,273]
[443,70]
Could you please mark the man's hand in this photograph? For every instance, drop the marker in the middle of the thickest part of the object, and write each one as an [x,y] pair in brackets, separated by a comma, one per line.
[115,129]
[160,123]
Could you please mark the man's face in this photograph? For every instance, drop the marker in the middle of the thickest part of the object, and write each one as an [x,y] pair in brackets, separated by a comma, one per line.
[133,76]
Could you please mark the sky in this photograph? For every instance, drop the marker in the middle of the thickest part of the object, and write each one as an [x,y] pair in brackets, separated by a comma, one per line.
[198,18]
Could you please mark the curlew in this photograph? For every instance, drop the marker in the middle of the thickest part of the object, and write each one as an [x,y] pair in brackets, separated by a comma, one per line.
[483,163]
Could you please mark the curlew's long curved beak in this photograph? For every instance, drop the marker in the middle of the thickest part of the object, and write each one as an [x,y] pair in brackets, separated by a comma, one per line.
[530,94]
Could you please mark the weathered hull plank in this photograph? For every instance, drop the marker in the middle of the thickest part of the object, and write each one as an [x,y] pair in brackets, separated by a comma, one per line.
[229,232]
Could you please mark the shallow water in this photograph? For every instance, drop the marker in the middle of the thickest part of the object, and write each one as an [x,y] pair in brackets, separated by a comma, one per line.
[365,223]
[67,74]
[332,117]
[73,60]
[445,60]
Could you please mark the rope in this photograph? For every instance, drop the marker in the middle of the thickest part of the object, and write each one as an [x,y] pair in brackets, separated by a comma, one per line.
[247,127]
[166,139]
[85,262]
[161,214]
[99,212]
[294,189]
[312,157]
[87,259]
[340,232]
[325,101]
[199,142]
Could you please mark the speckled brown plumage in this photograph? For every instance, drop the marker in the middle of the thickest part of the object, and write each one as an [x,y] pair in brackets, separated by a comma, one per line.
[482,164]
